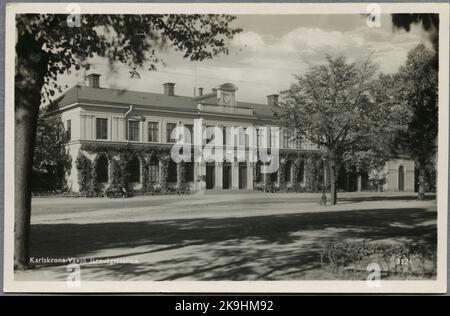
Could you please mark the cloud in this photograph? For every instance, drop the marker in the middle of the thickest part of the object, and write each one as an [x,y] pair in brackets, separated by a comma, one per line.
[262,63]
[311,45]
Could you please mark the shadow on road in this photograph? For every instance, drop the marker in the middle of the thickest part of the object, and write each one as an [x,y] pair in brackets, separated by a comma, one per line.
[257,248]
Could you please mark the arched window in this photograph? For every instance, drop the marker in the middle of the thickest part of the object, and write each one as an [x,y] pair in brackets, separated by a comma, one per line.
[153,170]
[102,167]
[134,170]
[274,176]
[189,171]
[401,178]
[172,171]
[300,172]
[287,171]
[258,171]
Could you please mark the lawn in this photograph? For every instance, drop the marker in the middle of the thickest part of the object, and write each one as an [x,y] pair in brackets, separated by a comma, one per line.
[252,236]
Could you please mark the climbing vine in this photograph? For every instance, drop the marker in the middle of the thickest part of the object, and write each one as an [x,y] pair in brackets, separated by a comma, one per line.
[84,167]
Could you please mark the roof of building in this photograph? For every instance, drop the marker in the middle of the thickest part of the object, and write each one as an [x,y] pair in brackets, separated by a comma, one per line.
[85,94]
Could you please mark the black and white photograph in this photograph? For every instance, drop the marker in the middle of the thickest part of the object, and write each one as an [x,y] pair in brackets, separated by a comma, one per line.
[301,146]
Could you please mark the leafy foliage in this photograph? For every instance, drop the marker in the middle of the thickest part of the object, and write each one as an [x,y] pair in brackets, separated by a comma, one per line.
[84,167]
[133,40]
[51,160]
[394,259]
[419,88]
[428,21]
[341,106]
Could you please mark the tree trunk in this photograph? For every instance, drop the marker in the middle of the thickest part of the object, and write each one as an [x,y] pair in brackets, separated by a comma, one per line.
[31,66]
[333,180]
[421,193]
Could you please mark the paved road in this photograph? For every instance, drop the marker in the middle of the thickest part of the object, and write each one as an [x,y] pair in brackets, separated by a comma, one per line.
[151,208]
[218,237]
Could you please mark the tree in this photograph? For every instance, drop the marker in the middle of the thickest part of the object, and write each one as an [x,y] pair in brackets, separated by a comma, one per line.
[339,107]
[47,46]
[418,80]
[428,21]
[51,160]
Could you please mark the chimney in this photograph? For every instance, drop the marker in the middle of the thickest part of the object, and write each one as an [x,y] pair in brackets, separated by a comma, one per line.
[200,92]
[93,80]
[272,99]
[169,88]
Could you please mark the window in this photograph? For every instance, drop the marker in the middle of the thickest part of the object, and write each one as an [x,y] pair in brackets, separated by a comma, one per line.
[227,135]
[102,128]
[169,128]
[287,139]
[69,130]
[210,134]
[273,138]
[153,131]
[243,137]
[190,128]
[60,128]
[134,170]
[300,172]
[102,169]
[172,171]
[153,171]
[188,171]
[287,172]
[259,164]
[274,177]
[133,131]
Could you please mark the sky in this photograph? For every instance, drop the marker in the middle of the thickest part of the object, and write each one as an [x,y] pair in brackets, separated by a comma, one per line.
[266,55]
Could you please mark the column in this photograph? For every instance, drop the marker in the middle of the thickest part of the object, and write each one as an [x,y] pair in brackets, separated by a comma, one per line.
[142,131]
[359,183]
[250,174]
[88,127]
[121,128]
[235,175]
[219,174]
[82,127]
[114,128]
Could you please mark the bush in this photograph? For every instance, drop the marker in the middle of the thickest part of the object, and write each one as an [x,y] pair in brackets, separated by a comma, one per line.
[394,260]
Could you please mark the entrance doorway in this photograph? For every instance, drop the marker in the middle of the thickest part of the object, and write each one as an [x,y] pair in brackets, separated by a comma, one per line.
[210,175]
[226,183]
[401,179]
[242,175]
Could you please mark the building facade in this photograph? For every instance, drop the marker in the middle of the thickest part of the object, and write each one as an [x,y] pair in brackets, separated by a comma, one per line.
[126,137]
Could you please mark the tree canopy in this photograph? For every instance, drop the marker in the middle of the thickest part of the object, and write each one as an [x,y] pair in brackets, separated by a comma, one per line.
[133,40]
[343,107]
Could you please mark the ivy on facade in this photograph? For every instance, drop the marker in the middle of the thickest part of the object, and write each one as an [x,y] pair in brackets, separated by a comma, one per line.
[308,161]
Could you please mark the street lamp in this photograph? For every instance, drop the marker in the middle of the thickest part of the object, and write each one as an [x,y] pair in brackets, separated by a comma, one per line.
[323,200]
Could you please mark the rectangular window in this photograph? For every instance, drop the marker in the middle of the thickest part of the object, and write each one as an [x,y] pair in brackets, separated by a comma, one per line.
[153,172]
[228,134]
[287,139]
[133,131]
[153,132]
[210,133]
[169,128]
[102,128]
[298,143]
[243,137]
[273,138]
[190,128]
[60,130]
[69,130]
